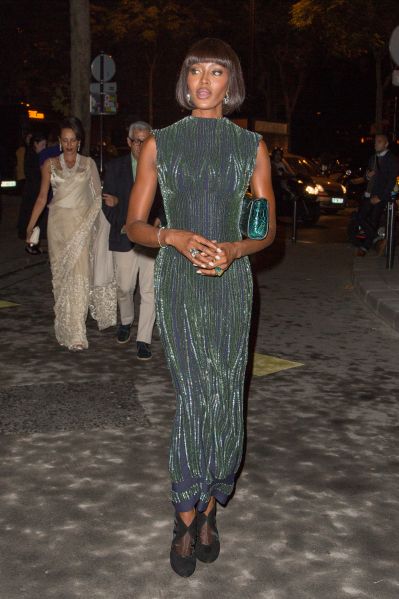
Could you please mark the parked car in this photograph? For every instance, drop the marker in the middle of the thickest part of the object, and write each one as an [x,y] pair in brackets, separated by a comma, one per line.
[331,194]
[300,189]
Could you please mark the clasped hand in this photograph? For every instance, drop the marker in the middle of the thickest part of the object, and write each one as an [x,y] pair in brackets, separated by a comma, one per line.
[211,253]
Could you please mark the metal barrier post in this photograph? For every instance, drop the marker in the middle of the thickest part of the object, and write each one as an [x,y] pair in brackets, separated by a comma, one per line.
[390,235]
[294,220]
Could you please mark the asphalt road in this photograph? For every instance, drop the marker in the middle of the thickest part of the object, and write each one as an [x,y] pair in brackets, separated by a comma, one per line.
[84,508]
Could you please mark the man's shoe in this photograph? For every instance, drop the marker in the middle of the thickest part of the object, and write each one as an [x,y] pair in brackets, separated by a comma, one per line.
[143,351]
[123,335]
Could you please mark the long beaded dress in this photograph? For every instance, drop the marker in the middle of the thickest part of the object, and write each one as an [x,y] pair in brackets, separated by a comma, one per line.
[204,168]
[81,264]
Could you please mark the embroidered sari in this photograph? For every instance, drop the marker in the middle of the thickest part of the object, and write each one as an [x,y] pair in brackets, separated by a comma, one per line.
[81,264]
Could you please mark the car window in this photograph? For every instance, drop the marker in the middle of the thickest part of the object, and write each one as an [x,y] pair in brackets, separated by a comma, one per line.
[301,166]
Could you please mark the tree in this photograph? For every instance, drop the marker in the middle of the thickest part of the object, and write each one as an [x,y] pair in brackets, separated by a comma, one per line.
[284,53]
[351,28]
[80,64]
[33,63]
[158,24]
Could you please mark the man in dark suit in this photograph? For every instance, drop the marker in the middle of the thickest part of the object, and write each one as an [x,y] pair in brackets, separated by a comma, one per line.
[381,176]
[131,262]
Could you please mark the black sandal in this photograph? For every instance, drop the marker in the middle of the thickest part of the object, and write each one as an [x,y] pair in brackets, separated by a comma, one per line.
[207,547]
[182,554]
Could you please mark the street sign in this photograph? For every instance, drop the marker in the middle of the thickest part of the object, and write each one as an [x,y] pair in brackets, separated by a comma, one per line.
[110,104]
[109,88]
[109,67]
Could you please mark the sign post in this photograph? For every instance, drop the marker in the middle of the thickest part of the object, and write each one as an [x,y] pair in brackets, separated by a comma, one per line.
[101,102]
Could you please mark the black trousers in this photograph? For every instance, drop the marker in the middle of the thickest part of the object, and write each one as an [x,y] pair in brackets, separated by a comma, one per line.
[369,218]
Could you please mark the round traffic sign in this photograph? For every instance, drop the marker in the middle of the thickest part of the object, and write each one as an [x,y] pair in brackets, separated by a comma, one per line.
[109,67]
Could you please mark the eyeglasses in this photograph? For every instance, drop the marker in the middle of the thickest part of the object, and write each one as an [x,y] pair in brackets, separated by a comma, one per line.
[138,142]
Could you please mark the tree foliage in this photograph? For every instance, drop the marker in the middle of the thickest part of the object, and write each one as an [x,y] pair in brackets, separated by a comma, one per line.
[351,28]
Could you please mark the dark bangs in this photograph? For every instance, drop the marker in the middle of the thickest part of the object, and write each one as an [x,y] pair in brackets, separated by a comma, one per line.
[216,51]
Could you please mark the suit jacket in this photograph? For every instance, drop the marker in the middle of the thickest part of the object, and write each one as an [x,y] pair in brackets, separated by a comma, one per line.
[386,171]
[118,182]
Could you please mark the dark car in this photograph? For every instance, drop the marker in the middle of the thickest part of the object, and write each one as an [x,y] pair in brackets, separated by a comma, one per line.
[331,194]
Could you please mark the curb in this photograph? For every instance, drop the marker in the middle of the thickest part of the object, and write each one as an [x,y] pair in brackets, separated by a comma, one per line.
[378,288]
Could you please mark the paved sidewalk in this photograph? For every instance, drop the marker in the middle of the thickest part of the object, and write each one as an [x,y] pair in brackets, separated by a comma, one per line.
[13,258]
[378,287]
[84,508]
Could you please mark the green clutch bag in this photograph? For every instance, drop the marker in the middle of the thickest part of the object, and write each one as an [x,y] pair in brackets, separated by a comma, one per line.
[254,221]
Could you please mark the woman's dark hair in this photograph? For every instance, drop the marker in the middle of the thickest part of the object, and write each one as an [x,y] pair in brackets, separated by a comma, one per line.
[37,137]
[72,122]
[214,50]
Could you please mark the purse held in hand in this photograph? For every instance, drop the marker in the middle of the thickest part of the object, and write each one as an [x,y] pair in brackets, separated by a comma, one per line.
[254,221]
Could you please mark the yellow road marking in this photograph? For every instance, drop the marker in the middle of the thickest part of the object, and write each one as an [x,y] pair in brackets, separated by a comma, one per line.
[4,304]
[265,365]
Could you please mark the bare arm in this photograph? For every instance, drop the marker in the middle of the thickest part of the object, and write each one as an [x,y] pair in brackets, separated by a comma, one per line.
[142,197]
[41,200]
[261,187]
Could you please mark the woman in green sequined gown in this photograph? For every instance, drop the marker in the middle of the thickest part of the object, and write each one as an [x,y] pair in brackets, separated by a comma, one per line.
[204,164]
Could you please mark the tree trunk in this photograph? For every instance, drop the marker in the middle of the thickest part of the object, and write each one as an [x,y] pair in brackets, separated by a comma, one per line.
[151,60]
[379,92]
[151,93]
[80,64]
[290,96]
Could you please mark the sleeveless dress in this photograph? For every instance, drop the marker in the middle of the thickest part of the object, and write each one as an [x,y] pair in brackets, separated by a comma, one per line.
[204,168]
[81,264]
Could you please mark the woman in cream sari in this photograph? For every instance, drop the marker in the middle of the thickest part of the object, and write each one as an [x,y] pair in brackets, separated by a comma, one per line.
[81,264]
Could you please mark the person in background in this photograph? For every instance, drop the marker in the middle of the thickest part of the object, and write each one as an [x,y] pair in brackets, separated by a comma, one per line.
[20,156]
[381,177]
[131,262]
[75,227]
[52,150]
[32,182]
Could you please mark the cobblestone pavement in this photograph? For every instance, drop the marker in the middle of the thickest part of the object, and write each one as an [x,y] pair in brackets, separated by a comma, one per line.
[84,508]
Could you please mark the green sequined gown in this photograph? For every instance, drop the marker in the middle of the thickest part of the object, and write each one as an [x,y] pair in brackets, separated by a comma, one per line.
[204,167]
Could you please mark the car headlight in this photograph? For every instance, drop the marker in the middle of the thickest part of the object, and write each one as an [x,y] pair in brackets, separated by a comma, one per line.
[319,188]
[313,191]
[343,188]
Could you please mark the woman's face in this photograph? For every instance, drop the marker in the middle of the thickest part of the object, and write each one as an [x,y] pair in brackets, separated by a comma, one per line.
[69,142]
[207,84]
[39,145]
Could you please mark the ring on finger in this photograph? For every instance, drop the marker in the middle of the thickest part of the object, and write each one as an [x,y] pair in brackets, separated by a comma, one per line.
[194,252]
[219,271]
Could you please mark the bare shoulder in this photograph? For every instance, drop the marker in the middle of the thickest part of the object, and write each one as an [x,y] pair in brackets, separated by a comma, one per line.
[46,166]
[149,149]
[263,152]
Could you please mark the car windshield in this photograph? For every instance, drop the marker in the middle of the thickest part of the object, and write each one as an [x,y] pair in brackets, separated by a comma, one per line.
[301,166]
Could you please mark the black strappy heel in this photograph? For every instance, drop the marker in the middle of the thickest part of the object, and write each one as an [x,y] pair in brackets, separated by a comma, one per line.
[206,531]
[182,553]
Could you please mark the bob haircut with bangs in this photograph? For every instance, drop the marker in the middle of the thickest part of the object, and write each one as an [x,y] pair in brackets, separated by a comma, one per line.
[217,51]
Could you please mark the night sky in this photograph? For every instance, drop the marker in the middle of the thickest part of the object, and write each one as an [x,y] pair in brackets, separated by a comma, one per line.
[334,110]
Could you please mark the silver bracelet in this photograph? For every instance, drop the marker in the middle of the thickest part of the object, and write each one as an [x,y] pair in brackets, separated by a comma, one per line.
[159,237]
